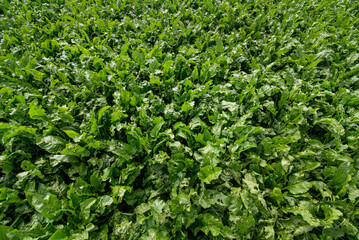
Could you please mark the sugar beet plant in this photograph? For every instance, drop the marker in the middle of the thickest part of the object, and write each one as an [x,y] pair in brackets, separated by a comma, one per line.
[189,119]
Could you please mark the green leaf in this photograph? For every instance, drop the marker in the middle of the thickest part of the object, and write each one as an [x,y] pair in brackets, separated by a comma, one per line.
[44,202]
[195,74]
[75,150]
[51,144]
[4,231]
[331,214]
[300,188]
[36,112]
[314,64]
[103,203]
[95,180]
[72,134]
[305,213]
[209,173]
[155,80]
[59,235]
[231,106]
[85,207]
[159,123]
[39,76]
[332,125]
[341,174]
[118,192]
[187,106]
[60,159]
[101,112]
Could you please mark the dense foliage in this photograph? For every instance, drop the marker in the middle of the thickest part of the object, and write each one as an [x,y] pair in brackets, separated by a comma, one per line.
[176,119]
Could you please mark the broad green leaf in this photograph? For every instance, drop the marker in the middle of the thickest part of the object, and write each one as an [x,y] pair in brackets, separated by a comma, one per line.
[60,159]
[101,112]
[75,150]
[59,235]
[118,192]
[300,188]
[305,213]
[72,134]
[332,125]
[4,232]
[314,64]
[331,214]
[85,207]
[36,112]
[209,173]
[187,106]
[51,144]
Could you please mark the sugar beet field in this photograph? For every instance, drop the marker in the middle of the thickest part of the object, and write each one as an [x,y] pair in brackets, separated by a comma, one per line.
[179,119]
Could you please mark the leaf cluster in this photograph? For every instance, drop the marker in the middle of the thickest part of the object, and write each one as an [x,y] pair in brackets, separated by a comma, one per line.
[179,119]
